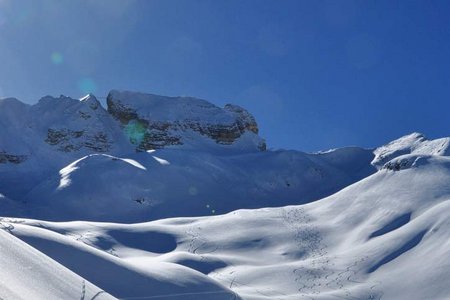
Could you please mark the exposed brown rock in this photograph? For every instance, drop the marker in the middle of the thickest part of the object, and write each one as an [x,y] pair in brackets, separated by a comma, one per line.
[69,140]
[11,158]
[157,134]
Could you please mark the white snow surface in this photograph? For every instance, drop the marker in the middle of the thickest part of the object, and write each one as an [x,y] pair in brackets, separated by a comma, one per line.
[202,221]
[172,182]
[29,274]
[414,143]
[384,237]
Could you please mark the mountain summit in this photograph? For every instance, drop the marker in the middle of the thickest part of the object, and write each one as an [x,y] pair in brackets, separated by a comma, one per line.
[154,122]
[147,157]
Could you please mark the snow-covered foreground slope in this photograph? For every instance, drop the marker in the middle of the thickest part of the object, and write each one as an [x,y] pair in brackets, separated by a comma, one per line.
[29,274]
[386,236]
[118,277]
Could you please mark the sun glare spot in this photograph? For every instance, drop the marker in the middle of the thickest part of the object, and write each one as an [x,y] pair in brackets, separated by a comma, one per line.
[56,58]
[87,85]
[135,131]
[192,191]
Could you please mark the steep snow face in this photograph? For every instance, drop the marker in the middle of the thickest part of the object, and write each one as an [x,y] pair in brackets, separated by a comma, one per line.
[13,115]
[61,124]
[414,143]
[170,183]
[61,128]
[154,122]
[385,236]
[40,139]
[70,125]
[29,274]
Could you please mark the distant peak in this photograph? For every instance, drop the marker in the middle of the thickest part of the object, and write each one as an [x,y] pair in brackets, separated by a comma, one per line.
[88,97]
[11,101]
[413,136]
[49,98]
[414,143]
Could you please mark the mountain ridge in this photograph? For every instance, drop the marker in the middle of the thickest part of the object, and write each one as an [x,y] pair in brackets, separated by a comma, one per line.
[201,172]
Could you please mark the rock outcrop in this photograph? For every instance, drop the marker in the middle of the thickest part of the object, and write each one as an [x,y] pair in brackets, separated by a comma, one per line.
[76,125]
[68,140]
[11,158]
[153,122]
[133,121]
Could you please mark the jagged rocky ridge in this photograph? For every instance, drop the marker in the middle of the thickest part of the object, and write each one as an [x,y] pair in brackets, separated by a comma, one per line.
[57,125]
[154,122]
[84,126]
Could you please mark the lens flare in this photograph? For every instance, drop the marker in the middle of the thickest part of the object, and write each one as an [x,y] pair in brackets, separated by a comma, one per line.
[56,58]
[192,191]
[87,86]
[135,131]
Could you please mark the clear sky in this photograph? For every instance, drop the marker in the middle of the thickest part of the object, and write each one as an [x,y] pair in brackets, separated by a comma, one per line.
[316,74]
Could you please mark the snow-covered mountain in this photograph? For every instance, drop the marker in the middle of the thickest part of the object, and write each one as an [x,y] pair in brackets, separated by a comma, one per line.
[249,223]
[154,122]
[165,156]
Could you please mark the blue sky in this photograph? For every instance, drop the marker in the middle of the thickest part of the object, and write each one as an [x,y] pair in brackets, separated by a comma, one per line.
[316,74]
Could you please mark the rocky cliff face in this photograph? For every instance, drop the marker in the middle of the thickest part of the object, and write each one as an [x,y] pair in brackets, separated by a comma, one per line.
[73,127]
[153,122]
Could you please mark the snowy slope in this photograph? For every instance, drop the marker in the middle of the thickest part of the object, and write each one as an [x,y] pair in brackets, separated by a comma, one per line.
[359,220]
[29,274]
[37,140]
[383,237]
[178,182]
[68,159]
[157,280]
[171,183]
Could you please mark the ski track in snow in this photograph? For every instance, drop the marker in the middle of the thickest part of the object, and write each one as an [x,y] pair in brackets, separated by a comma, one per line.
[315,272]
[319,271]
